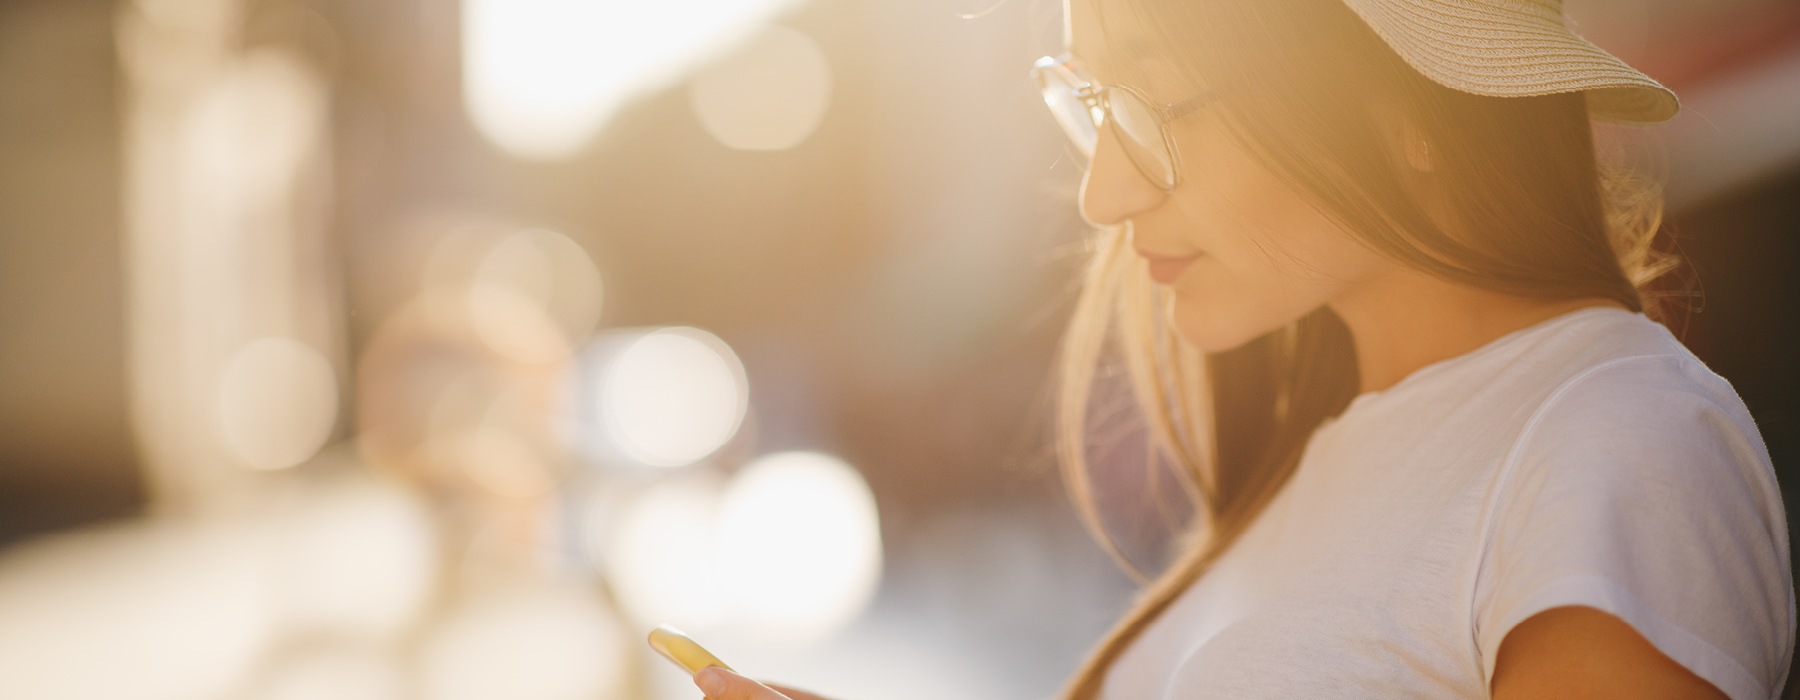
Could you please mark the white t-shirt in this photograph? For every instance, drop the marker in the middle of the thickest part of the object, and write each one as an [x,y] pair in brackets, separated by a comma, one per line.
[1587,460]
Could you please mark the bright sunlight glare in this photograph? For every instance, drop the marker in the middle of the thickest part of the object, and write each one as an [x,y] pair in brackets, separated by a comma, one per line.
[541,76]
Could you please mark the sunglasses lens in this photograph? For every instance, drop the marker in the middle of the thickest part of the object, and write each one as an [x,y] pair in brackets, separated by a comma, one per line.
[1140,132]
[1070,112]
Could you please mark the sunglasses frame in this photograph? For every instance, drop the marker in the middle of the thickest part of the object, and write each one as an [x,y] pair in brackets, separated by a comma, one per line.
[1097,97]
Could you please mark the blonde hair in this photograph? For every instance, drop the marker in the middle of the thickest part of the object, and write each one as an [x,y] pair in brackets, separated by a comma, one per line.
[1534,214]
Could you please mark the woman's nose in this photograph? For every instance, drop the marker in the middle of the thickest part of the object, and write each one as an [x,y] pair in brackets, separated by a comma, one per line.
[1113,190]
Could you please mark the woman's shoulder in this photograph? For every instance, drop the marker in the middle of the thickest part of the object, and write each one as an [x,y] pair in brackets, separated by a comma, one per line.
[1603,364]
[1601,334]
[1641,487]
[1634,397]
[1596,357]
[1626,372]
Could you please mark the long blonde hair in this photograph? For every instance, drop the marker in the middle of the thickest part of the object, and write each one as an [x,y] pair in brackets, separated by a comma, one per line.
[1532,213]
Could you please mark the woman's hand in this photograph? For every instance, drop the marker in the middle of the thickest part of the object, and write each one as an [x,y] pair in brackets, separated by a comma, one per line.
[720,684]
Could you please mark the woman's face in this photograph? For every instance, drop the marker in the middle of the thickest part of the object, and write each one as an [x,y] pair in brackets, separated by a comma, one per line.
[1261,255]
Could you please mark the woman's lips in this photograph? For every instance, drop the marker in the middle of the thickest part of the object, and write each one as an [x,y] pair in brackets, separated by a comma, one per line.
[1166,270]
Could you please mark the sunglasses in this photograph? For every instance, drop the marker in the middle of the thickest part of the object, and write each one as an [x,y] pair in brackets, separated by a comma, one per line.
[1083,106]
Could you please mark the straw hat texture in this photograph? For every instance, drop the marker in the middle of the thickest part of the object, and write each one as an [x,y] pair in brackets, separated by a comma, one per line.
[1514,48]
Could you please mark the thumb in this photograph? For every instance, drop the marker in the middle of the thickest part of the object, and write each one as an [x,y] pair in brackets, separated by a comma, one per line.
[720,684]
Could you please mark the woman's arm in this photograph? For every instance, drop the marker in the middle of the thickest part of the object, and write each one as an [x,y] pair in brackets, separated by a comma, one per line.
[1581,652]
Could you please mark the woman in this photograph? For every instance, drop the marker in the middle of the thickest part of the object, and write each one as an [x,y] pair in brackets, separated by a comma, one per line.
[1386,314]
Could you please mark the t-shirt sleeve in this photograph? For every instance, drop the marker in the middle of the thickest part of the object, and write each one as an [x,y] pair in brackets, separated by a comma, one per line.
[1643,489]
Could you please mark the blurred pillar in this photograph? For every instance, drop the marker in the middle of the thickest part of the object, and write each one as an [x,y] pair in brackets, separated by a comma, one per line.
[66,455]
[232,316]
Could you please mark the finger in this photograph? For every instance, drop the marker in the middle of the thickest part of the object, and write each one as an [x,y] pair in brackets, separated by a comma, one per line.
[720,684]
[794,693]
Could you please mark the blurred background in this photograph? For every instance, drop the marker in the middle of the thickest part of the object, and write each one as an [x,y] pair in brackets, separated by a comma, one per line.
[437,349]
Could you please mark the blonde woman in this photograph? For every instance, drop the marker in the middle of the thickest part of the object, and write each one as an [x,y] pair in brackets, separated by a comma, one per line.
[1385,313]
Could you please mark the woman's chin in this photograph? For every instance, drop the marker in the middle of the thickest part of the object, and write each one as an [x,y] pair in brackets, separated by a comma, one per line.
[1214,331]
[1214,338]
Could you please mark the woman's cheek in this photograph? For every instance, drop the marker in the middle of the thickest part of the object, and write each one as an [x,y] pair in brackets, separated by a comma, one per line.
[1218,307]
[1215,309]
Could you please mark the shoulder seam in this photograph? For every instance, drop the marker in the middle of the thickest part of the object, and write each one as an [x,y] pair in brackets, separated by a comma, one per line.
[1503,477]
[1556,396]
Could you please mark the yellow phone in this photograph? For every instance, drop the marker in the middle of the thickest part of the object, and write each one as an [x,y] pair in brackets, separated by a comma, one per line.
[683,650]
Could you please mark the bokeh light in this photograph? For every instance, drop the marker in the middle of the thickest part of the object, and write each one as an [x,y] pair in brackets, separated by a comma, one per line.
[662,555]
[800,536]
[514,326]
[668,397]
[252,131]
[525,641]
[358,557]
[150,613]
[530,294]
[278,401]
[553,272]
[338,674]
[768,95]
[441,405]
[498,461]
[541,76]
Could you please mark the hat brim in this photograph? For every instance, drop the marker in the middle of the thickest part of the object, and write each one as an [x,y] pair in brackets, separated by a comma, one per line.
[1522,50]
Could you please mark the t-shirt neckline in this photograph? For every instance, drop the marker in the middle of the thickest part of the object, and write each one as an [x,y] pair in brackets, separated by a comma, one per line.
[1422,374]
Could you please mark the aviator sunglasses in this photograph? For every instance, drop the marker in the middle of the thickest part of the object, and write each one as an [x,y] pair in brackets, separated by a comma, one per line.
[1083,106]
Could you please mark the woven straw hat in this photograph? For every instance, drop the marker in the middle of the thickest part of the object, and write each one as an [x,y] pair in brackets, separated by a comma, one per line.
[1514,48]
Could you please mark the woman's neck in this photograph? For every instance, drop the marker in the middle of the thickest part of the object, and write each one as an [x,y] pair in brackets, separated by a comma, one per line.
[1408,319]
